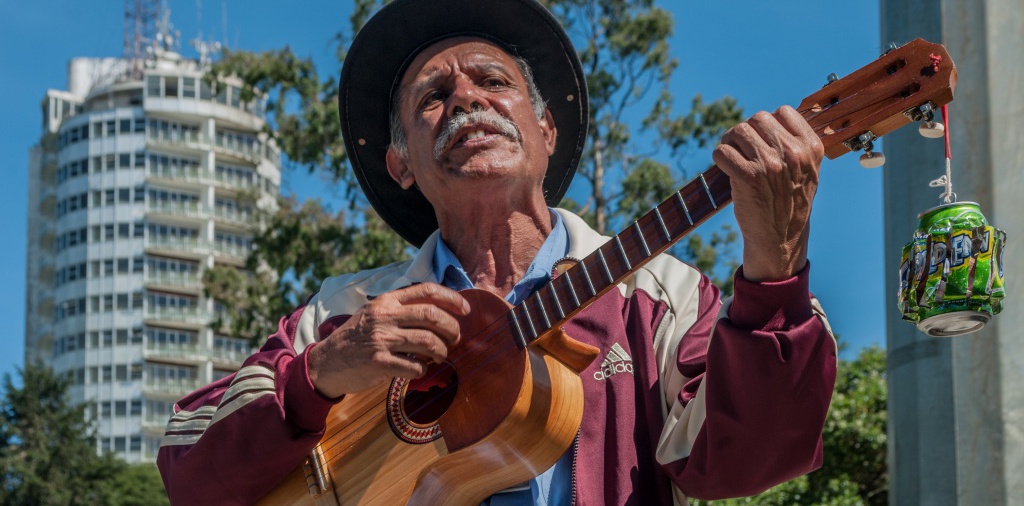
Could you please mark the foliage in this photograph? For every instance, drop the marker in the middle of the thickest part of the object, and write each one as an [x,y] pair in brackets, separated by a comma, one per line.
[623,45]
[48,452]
[854,471]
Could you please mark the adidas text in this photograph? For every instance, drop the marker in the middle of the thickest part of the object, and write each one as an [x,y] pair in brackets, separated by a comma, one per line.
[615,362]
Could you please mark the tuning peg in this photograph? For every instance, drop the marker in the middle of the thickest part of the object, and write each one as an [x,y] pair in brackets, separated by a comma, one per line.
[872,159]
[932,129]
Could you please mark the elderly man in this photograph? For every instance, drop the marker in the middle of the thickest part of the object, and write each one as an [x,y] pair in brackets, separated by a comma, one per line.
[487,122]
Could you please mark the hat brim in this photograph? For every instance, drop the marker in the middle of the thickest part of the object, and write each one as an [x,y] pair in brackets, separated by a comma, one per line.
[403,28]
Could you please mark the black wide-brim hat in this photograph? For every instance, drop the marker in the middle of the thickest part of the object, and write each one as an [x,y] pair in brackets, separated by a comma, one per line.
[391,39]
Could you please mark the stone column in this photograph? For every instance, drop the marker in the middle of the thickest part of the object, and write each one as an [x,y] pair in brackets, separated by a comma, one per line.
[956,405]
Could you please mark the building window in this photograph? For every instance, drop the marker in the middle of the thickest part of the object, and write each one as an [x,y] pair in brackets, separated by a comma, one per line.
[171,86]
[125,126]
[153,86]
[205,93]
[188,87]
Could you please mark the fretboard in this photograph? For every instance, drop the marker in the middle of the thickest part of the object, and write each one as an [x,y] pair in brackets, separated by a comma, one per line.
[627,251]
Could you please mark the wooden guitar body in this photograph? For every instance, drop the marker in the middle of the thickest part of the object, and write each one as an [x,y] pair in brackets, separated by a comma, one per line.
[506,414]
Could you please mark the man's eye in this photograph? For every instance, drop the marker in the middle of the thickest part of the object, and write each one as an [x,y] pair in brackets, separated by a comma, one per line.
[494,82]
[432,97]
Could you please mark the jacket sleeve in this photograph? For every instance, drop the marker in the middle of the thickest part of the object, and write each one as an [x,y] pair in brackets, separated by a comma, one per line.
[751,409]
[232,441]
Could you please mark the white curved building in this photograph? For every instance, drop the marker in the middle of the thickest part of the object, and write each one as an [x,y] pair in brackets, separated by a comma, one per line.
[136,187]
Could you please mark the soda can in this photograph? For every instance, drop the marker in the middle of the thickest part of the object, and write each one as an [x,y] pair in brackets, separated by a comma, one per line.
[951,273]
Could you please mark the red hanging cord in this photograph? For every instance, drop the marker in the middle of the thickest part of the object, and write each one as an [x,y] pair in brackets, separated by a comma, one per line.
[945,119]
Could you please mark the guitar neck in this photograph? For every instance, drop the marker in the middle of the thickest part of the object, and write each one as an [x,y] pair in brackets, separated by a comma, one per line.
[626,252]
[901,86]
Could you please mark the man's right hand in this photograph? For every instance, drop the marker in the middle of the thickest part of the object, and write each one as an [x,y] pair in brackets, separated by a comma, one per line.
[394,335]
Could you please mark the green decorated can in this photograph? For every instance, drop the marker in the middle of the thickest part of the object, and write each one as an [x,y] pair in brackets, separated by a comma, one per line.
[951,273]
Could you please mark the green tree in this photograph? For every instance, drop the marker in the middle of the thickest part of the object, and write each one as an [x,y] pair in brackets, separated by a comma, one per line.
[854,471]
[623,45]
[48,452]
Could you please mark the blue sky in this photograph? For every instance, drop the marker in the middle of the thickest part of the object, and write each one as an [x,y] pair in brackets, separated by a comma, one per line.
[764,54]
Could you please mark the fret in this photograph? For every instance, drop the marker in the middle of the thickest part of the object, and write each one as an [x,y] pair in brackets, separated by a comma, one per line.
[543,310]
[708,191]
[625,257]
[604,264]
[572,290]
[586,276]
[643,242]
[529,321]
[519,330]
[661,223]
[679,197]
[558,305]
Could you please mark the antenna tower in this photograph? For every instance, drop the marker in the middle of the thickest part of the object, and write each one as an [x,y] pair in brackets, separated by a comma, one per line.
[141,18]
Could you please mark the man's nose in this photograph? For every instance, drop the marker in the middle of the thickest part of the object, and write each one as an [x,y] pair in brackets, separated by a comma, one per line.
[465,98]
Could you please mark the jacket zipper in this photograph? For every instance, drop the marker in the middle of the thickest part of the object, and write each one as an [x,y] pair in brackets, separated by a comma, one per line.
[575,455]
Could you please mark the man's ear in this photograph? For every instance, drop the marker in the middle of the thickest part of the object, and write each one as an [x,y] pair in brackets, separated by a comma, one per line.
[398,168]
[547,125]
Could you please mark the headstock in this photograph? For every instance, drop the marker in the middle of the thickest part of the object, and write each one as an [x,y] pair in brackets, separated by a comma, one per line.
[886,94]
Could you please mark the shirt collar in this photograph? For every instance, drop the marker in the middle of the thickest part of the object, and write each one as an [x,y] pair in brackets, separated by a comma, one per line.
[450,273]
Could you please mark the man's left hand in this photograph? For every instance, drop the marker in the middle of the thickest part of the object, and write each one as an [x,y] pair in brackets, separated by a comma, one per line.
[773,161]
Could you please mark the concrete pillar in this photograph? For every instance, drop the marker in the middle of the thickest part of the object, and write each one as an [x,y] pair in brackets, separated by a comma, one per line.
[956,406]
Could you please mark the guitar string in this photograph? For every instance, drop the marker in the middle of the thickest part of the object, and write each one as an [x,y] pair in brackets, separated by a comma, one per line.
[633,233]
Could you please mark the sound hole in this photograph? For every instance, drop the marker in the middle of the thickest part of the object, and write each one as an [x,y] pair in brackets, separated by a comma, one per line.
[427,398]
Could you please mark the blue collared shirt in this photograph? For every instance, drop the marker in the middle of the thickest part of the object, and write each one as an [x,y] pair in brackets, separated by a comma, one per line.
[554,486]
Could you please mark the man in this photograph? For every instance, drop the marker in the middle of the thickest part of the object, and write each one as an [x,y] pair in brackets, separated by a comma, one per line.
[465,166]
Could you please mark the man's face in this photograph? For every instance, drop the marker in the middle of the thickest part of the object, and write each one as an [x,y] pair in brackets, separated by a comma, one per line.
[468,119]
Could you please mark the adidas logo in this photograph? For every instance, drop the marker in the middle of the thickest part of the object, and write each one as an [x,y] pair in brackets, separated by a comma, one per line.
[615,362]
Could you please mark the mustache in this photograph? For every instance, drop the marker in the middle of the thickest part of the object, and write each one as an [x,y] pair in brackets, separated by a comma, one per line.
[488,117]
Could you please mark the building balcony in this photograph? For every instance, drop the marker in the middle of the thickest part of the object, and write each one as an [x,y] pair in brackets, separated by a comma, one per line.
[155,425]
[228,358]
[190,141]
[192,210]
[191,247]
[176,317]
[231,253]
[177,175]
[175,353]
[233,216]
[170,389]
[191,282]
[235,182]
[251,152]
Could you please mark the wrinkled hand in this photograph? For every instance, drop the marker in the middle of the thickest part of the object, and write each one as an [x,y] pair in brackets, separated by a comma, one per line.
[773,161]
[395,335]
